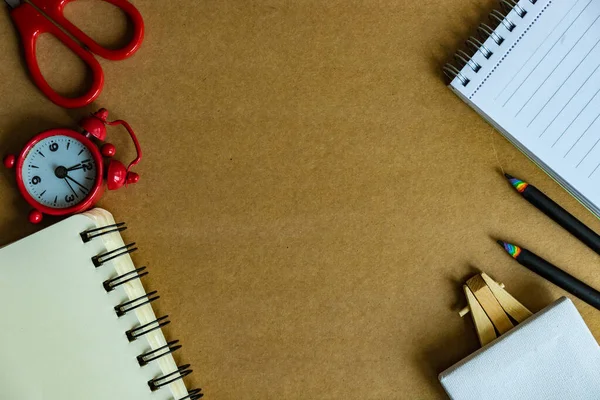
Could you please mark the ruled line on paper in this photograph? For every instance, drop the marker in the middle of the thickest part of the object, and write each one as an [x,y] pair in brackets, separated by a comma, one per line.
[582,135]
[545,55]
[557,65]
[575,119]
[588,153]
[536,50]
[592,173]
[562,84]
[569,102]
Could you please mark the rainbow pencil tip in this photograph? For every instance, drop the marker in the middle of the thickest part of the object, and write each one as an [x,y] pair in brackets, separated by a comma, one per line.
[511,249]
[518,184]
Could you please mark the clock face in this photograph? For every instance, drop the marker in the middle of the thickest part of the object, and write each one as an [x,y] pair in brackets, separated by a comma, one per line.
[59,172]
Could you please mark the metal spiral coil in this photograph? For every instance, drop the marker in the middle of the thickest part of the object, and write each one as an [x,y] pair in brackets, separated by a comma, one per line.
[94,233]
[169,348]
[180,373]
[485,31]
[131,305]
[124,308]
[111,284]
[452,72]
[193,394]
[103,258]
[503,19]
[508,5]
[475,44]
[463,58]
[136,333]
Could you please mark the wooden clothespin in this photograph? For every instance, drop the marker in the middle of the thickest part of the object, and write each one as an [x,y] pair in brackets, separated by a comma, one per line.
[490,306]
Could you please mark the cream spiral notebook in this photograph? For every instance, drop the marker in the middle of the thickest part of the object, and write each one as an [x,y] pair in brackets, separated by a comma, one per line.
[533,72]
[78,323]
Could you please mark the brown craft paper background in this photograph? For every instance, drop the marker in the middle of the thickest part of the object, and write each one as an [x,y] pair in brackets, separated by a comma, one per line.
[312,196]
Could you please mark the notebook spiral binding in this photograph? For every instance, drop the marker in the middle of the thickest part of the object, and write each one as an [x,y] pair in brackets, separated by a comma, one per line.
[484,31]
[128,306]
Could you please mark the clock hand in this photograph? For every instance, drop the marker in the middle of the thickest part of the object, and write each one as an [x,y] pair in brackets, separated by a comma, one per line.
[71,187]
[75,167]
[77,183]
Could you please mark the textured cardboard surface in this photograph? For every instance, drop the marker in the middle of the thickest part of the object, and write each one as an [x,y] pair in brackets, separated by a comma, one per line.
[312,195]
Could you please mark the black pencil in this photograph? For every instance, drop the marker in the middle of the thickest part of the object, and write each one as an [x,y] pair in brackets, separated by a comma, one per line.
[561,216]
[552,273]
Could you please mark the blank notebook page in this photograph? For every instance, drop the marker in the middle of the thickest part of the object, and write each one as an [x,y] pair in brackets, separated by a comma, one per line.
[541,89]
[60,337]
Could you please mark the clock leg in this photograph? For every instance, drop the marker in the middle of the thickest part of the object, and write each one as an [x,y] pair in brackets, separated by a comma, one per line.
[35,216]
[9,161]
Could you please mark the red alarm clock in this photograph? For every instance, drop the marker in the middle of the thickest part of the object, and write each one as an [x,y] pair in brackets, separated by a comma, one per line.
[61,171]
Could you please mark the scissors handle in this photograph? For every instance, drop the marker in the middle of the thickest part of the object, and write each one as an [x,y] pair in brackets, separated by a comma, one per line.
[31,24]
[55,10]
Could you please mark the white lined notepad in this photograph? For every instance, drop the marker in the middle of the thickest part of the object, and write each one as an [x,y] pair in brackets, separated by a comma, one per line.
[62,337]
[536,78]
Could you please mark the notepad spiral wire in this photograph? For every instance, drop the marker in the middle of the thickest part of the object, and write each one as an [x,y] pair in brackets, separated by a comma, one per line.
[508,15]
[128,306]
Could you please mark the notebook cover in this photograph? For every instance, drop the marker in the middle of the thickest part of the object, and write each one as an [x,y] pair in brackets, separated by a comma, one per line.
[60,336]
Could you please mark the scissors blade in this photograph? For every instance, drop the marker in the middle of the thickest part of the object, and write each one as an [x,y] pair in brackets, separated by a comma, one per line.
[13,3]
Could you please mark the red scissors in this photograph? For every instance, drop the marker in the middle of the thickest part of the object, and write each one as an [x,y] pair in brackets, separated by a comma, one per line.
[35,17]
